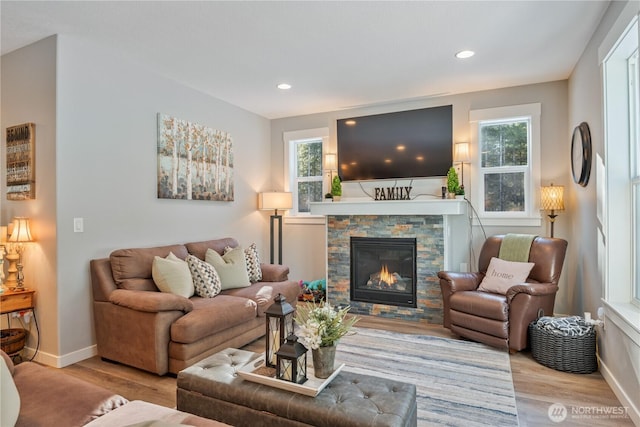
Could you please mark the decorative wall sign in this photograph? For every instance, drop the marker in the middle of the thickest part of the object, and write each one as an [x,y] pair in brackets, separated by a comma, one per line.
[194,162]
[392,193]
[21,162]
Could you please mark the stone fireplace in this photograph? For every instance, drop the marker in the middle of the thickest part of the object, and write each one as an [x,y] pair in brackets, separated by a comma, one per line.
[437,228]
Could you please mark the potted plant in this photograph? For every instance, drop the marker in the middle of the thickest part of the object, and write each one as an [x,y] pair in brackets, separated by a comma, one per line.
[336,188]
[453,185]
[321,326]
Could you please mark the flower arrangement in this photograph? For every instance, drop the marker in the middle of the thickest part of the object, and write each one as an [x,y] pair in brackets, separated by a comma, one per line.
[321,325]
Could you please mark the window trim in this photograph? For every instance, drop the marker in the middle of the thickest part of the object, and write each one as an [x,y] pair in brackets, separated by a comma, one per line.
[531,215]
[288,137]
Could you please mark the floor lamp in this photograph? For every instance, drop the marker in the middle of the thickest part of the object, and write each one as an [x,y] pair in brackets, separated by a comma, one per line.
[275,200]
[552,199]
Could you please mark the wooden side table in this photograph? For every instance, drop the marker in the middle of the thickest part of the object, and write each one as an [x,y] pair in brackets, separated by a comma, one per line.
[13,301]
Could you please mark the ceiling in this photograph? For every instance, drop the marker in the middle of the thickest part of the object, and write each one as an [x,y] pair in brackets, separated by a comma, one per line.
[335,54]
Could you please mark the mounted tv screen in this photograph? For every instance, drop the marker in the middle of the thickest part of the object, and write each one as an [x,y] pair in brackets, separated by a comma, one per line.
[404,144]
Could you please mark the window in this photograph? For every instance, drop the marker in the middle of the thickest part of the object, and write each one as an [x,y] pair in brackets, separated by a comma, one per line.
[621,193]
[304,175]
[507,141]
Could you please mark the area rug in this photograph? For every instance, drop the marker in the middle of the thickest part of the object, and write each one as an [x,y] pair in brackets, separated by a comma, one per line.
[459,383]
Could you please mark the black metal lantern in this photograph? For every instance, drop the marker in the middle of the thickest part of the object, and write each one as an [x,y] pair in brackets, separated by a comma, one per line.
[279,317]
[292,361]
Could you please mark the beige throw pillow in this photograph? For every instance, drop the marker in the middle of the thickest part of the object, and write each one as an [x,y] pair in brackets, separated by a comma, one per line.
[172,275]
[10,402]
[501,275]
[252,259]
[231,268]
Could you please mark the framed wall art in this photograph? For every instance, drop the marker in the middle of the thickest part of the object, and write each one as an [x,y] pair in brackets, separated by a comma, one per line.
[195,162]
[21,162]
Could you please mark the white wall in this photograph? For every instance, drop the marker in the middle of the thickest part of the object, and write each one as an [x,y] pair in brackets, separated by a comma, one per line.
[619,346]
[103,169]
[304,245]
[29,95]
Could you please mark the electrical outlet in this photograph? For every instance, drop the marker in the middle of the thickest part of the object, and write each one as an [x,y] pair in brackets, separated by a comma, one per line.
[78,225]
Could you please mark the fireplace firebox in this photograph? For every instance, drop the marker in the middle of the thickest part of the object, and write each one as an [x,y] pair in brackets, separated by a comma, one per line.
[383,270]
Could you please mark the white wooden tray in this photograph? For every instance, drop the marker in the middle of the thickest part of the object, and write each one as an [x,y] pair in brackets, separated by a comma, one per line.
[256,369]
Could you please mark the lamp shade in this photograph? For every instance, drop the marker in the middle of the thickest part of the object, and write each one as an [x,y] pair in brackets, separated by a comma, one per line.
[270,200]
[461,152]
[330,162]
[21,231]
[552,198]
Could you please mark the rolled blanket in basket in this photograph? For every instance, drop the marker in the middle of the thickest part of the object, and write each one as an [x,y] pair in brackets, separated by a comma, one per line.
[572,326]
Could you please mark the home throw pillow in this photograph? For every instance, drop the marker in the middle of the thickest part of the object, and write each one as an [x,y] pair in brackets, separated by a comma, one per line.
[205,278]
[172,275]
[231,267]
[501,275]
[253,262]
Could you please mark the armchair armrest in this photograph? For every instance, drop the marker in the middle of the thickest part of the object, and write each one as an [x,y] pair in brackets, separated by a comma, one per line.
[151,302]
[457,281]
[533,289]
[274,272]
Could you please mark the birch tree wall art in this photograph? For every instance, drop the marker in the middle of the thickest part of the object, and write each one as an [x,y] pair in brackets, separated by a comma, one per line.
[194,162]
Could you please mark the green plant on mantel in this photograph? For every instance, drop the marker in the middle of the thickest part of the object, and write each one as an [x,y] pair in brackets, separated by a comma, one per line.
[453,185]
[336,186]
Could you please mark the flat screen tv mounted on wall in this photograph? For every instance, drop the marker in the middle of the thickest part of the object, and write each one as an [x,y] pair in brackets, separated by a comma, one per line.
[404,144]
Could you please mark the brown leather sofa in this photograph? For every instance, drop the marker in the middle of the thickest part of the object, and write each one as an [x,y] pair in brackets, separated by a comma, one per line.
[502,320]
[160,332]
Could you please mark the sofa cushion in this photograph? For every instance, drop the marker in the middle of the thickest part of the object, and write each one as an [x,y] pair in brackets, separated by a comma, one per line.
[199,249]
[231,267]
[263,293]
[204,277]
[212,315]
[172,275]
[69,400]
[131,268]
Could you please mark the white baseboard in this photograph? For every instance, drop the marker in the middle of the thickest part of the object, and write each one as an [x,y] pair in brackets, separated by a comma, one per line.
[61,361]
[632,410]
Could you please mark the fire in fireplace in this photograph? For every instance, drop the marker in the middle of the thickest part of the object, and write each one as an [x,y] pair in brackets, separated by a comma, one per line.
[383,270]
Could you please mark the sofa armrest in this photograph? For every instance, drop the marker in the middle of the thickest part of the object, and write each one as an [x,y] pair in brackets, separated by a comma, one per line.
[274,272]
[151,302]
[533,289]
[457,281]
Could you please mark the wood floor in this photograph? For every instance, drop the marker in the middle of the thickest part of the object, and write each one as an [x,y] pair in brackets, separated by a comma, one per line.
[536,387]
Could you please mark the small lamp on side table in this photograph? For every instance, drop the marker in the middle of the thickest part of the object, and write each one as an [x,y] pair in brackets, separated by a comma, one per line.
[20,234]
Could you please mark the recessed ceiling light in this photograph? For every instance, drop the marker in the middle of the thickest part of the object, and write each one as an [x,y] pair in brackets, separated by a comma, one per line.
[464,54]
[284,86]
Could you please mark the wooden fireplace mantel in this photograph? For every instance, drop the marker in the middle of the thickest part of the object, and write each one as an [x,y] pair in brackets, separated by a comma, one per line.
[390,207]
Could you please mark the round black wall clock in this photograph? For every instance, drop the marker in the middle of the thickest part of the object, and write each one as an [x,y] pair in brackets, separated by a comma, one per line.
[581,154]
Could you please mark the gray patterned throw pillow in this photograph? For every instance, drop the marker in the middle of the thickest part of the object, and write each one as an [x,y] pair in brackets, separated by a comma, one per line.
[205,278]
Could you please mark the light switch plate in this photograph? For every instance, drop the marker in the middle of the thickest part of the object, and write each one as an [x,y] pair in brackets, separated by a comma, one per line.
[78,225]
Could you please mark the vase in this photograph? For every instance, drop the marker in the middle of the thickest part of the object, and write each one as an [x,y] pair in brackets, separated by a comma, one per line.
[323,361]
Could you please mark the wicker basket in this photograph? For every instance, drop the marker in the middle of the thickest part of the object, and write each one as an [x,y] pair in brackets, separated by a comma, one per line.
[13,340]
[564,353]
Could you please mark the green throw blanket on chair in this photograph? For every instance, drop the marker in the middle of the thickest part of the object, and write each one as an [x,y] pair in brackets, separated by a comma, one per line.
[515,247]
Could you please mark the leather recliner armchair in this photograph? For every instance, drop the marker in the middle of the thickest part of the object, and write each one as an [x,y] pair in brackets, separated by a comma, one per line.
[502,320]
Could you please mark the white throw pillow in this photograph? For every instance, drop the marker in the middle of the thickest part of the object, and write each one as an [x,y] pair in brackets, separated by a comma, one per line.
[205,278]
[252,259]
[501,275]
[231,267]
[10,402]
[172,275]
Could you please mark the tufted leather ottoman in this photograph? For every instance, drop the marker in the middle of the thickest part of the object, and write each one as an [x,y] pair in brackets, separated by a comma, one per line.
[212,389]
